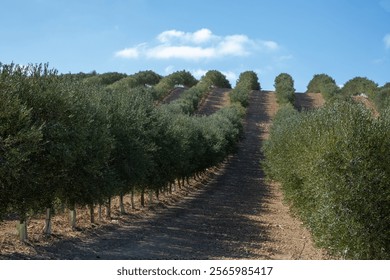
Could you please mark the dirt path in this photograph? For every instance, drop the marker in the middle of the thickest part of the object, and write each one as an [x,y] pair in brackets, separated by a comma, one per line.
[174,95]
[304,101]
[237,215]
[216,99]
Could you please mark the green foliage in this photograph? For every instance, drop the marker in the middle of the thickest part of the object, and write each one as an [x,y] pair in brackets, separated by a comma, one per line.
[359,85]
[66,139]
[324,84]
[284,88]
[382,98]
[215,78]
[131,116]
[334,169]
[166,84]
[140,79]
[20,142]
[104,79]
[247,82]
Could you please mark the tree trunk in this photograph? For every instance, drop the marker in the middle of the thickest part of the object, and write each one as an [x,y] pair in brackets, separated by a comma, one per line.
[62,207]
[47,228]
[178,181]
[108,209]
[121,205]
[188,180]
[21,226]
[132,198]
[150,197]
[157,194]
[72,217]
[143,198]
[100,217]
[91,213]
[170,188]
[182,181]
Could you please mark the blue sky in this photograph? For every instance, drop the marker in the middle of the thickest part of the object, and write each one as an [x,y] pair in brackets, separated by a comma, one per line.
[342,38]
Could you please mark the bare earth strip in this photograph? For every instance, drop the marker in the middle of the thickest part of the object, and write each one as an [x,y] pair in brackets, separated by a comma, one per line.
[236,215]
[305,101]
[288,238]
[174,95]
[216,99]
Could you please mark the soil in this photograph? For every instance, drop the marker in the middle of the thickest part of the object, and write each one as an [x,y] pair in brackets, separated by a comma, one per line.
[215,100]
[307,101]
[174,95]
[232,213]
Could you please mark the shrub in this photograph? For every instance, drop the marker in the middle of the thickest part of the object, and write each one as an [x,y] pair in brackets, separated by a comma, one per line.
[334,169]
[284,88]
[324,84]
[359,85]
[247,82]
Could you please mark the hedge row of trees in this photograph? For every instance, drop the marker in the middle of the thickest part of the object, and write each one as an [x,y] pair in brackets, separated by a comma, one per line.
[284,88]
[326,85]
[67,141]
[246,82]
[333,164]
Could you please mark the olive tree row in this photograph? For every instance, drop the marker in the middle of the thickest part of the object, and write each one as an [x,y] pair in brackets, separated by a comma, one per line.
[66,141]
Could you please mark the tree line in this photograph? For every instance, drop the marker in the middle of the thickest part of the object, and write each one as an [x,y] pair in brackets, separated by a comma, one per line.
[79,140]
[333,165]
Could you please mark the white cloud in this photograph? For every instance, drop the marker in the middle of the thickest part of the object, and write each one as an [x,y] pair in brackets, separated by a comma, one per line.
[174,36]
[386,40]
[181,52]
[167,36]
[128,53]
[202,36]
[201,44]
[235,45]
[270,45]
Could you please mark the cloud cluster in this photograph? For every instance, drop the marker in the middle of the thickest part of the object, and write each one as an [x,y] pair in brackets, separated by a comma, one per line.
[201,44]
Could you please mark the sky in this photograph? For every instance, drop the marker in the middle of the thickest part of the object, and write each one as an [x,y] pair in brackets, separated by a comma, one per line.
[341,38]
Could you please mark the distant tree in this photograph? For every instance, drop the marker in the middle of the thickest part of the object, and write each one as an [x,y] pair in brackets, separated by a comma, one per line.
[359,85]
[386,86]
[249,79]
[166,84]
[246,82]
[318,81]
[382,97]
[284,88]
[104,79]
[217,79]
[324,84]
